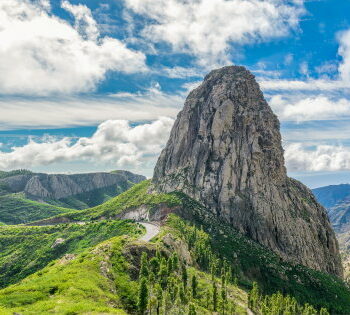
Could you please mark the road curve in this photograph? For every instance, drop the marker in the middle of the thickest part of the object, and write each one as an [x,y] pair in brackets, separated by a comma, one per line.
[152,229]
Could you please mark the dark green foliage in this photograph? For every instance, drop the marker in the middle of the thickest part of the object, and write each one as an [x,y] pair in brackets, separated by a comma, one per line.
[215,297]
[192,310]
[218,242]
[194,285]
[184,275]
[143,296]
[14,173]
[144,272]
[278,304]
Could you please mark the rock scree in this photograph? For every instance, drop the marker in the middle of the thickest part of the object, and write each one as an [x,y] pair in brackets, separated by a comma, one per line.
[225,152]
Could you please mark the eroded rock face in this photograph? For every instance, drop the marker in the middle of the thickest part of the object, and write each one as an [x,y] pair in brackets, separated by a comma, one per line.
[57,186]
[225,151]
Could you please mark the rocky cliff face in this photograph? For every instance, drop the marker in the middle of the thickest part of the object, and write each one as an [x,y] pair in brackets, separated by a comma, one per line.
[225,151]
[57,186]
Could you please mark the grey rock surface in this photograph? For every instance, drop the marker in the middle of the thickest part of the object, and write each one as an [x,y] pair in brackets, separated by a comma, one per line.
[57,186]
[225,151]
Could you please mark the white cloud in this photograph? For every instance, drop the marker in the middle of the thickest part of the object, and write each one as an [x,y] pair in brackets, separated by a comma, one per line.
[320,158]
[86,111]
[206,28]
[310,108]
[114,141]
[42,54]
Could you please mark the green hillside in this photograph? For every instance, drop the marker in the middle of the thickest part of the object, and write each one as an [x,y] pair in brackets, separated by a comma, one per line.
[16,209]
[25,249]
[211,245]
[126,276]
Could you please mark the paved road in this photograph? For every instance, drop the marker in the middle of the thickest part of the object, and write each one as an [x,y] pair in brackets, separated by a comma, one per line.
[152,229]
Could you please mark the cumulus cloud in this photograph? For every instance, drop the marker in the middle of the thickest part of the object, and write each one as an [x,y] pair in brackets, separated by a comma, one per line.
[42,54]
[114,141]
[206,28]
[310,108]
[300,157]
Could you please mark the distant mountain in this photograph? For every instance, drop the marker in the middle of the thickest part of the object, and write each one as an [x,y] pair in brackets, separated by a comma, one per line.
[27,196]
[336,199]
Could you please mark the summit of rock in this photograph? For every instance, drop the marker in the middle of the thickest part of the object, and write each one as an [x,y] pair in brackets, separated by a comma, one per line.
[225,151]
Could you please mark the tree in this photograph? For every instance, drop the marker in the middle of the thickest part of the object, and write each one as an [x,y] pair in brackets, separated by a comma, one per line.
[182,294]
[154,264]
[170,265]
[143,296]
[253,296]
[184,275]
[194,285]
[192,310]
[175,262]
[144,266]
[324,311]
[159,295]
[215,297]
[163,273]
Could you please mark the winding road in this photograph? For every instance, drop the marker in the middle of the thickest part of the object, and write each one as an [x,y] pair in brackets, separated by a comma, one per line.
[152,229]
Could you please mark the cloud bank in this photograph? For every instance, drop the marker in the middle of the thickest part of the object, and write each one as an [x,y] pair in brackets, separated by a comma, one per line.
[206,28]
[114,141]
[300,157]
[42,54]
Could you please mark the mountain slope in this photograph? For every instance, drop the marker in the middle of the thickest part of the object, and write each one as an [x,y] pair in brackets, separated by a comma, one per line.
[27,196]
[249,260]
[106,278]
[16,209]
[225,151]
[26,249]
[75,191]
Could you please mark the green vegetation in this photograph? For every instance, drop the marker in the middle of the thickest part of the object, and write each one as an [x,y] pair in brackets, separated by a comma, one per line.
[16,209]
[134,197]
[197,264]
[252,262]
[14,173]
[25,250]
[69,286]
[91,198]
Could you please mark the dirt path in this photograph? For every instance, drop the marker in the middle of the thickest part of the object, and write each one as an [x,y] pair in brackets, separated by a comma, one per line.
[152,229]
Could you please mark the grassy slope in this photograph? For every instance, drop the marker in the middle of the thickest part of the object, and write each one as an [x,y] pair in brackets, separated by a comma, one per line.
[79,287]
[25,250]
[250,261]
[15,209]
[135,196]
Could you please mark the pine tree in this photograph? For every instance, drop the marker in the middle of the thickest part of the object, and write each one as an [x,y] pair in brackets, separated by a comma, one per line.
[159,295]
[144,266]
[253,297]
[175,262]
[154,264]
[194,285]
[324,311]
[192,310]
[182,294]
[215,297]
[184,275]
[143,296]
[163,273]
[170,266]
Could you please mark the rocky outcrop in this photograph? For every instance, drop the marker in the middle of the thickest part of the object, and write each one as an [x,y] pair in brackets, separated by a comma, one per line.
[57,186]
[225,151]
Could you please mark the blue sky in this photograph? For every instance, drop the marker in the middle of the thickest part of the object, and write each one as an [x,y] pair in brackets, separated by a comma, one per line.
[89,85]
